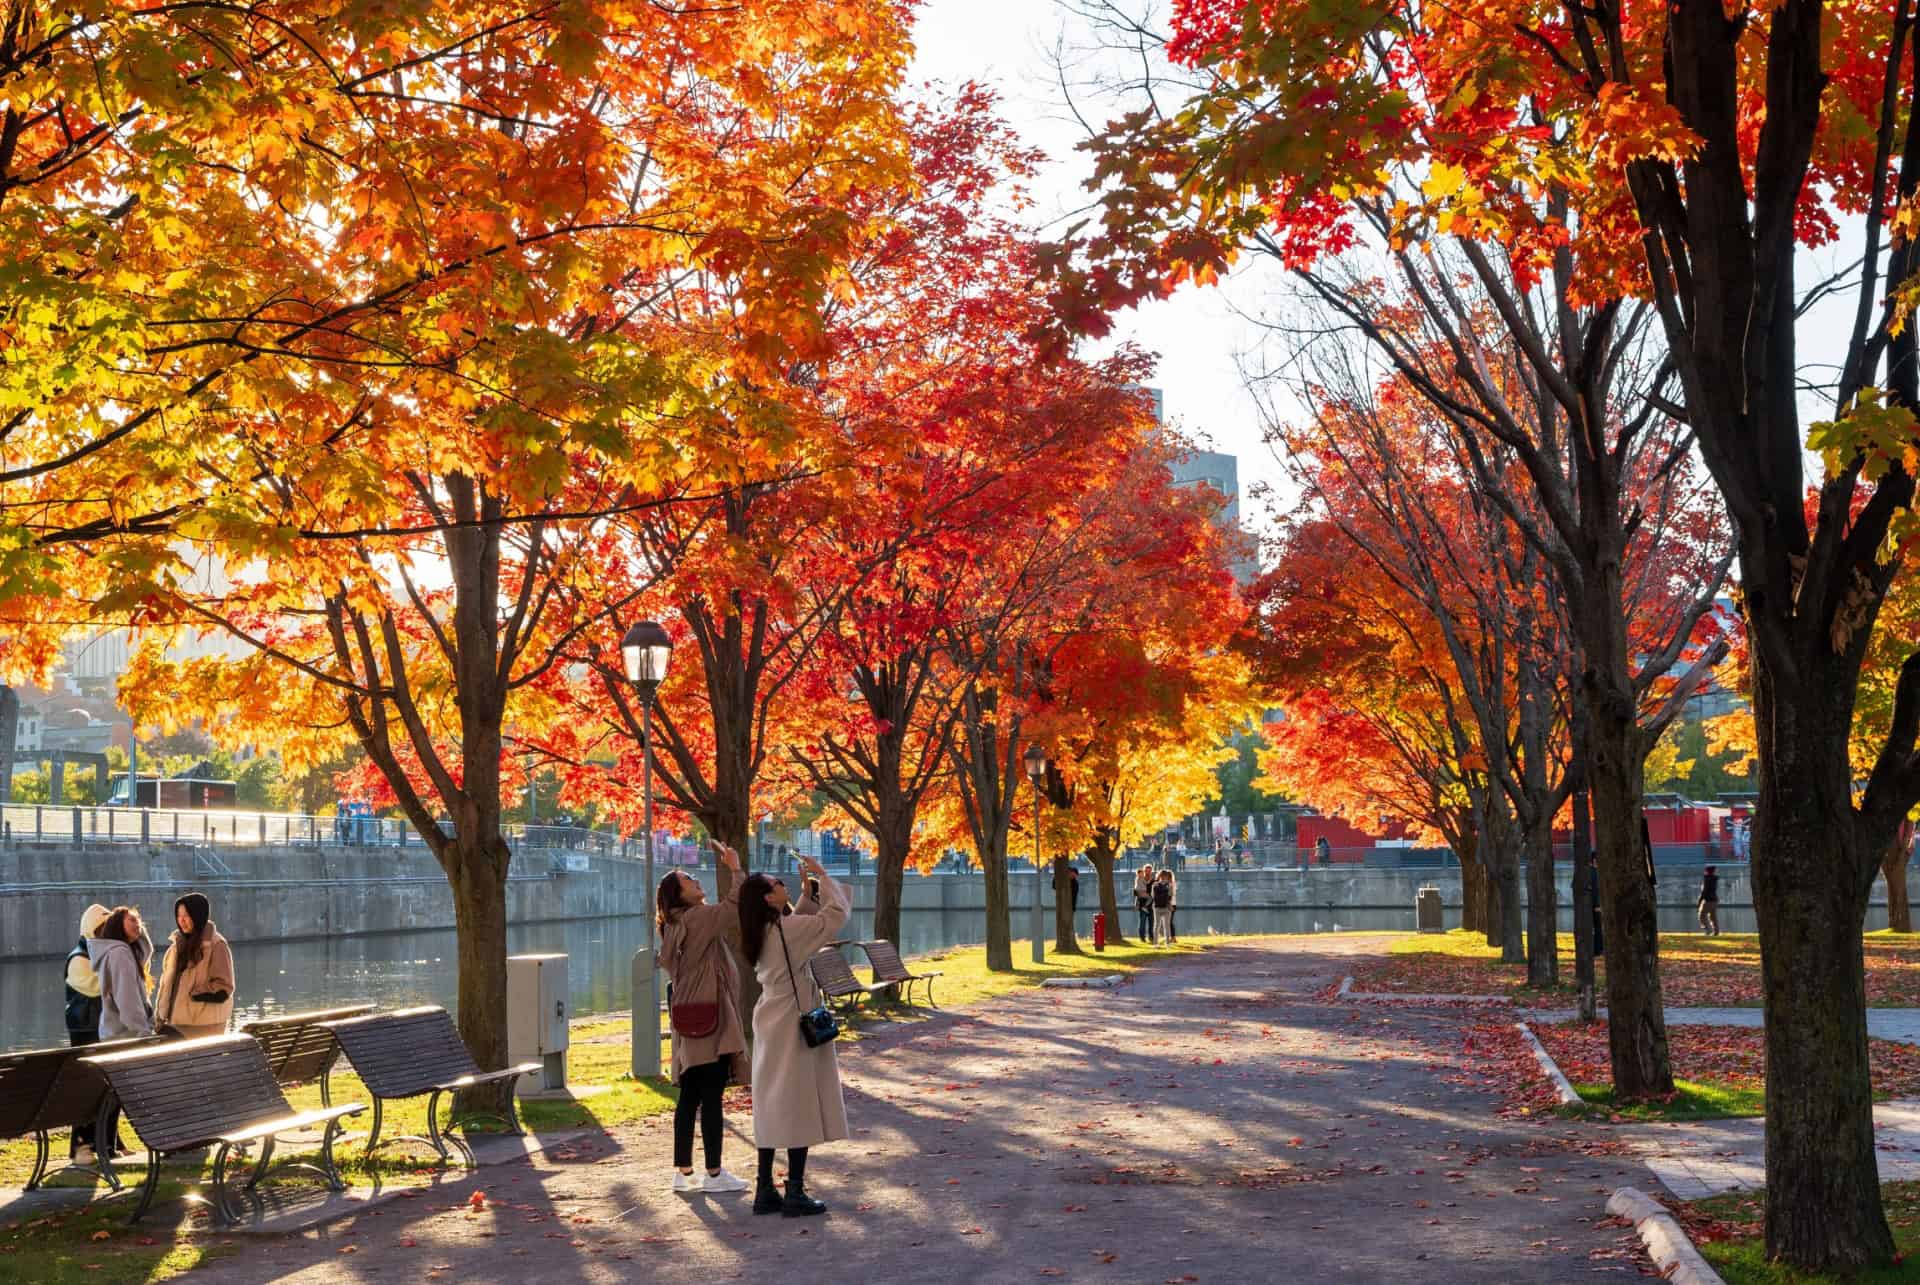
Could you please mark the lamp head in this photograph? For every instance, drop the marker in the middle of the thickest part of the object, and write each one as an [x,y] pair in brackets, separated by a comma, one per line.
[645,651]
[1036,761]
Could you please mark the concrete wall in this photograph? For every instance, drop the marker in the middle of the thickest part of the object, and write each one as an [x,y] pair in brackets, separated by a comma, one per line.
[287,893]
[294,893]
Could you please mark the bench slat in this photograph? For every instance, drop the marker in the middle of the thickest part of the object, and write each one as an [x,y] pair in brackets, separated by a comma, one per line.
[189,1093]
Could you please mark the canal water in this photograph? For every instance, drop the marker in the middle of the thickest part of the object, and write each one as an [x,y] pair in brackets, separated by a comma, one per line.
[396,969]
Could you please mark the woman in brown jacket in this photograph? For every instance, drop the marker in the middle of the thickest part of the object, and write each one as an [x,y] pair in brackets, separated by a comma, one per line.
[196,982]
[695,954]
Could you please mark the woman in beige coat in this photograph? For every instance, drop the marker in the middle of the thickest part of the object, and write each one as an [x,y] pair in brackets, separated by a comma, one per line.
[694,952]
[796,1089]
[196,982]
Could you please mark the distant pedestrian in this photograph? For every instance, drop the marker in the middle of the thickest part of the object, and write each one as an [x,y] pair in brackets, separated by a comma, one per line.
[1163,908]
[196,982]
[83,1009]
[1173,909]
[1220,861]
[122,955]
[1323,851]
[1709,910]
[1143,901]
[1073,887]
[704,1011]
[797,1103]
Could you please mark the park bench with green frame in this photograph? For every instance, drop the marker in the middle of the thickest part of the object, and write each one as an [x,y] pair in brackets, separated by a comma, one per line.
[217,1092]
[46,1089]
[836,980]
[414,1052]
[301,1050]
[884,959]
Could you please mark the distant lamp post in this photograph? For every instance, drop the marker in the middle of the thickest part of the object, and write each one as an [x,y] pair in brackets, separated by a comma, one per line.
[645,651]
[1036,761]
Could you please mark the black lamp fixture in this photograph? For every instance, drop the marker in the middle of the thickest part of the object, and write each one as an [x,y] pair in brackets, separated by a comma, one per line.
[646,650]
[1036,760]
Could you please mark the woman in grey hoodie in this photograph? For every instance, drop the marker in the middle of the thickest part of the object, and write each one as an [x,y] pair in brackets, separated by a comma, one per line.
[120,954]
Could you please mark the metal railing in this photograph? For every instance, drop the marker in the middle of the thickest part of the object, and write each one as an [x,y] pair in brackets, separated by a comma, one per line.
[207,828]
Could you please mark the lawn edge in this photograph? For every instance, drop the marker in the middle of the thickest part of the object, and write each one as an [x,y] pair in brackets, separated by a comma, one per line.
[1562,1087]
[1667,1244]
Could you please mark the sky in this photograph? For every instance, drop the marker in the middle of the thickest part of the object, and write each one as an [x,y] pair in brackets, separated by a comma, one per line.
[1197,334]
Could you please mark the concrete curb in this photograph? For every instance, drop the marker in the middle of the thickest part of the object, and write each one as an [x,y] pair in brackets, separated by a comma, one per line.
[1562,1087]
[1084,983]
[1346,991]
[1672,1252]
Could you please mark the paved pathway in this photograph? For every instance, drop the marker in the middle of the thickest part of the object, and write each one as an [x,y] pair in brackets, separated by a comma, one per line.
[1213,1120]
[1703,1157]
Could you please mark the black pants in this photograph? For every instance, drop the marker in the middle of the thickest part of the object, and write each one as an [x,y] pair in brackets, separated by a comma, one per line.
[82,1133]
[700,1090]
[1146,923]
[796,1168]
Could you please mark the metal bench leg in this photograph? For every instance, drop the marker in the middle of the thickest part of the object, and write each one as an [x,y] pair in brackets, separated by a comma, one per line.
[219,1182]
[107,1125]
[373,1134]
[930,1003]
[42,1149]
[334,1180]
[148,1187]
[326,1087]
[260,1165]
[433,1126]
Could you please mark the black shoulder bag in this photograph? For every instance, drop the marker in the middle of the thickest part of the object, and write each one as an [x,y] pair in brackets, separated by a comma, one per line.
[818,1025]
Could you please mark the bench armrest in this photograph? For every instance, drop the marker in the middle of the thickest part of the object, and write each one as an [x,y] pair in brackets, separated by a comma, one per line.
[488,1077]
[288,1123]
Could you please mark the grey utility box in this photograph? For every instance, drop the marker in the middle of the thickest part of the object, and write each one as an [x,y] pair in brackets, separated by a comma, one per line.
[1429,915]
[537,1018]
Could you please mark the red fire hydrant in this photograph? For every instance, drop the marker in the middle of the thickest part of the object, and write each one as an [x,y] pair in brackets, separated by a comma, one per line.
[1100,930]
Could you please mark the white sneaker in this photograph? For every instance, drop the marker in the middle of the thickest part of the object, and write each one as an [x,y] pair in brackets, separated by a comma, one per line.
[722,1182]
[686,1184]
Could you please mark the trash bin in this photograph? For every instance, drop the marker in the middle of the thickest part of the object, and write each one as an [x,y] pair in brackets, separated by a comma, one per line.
[1429,915]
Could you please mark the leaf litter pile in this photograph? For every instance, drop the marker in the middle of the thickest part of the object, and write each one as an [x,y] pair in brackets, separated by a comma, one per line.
[1733,1056]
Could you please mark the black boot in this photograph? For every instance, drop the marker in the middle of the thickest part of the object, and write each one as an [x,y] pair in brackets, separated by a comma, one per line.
[799,1204]
[766,1199]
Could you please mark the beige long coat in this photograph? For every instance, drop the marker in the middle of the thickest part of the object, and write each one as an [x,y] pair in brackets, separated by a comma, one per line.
[696,951]
[213,972]
[796,1090]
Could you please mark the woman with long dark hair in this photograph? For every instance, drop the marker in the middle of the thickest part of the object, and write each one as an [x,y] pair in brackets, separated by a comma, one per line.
[120,953]
[796,1089]
[708,1037]
[196,982]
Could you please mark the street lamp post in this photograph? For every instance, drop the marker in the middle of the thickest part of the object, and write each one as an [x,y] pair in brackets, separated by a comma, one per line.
[645,651]
[1036,761]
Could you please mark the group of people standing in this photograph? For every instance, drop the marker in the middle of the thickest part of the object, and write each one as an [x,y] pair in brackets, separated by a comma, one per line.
[797,1102]
[1156,895]
[112,993]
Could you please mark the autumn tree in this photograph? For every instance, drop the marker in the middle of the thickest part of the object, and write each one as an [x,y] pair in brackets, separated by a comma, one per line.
[414,562]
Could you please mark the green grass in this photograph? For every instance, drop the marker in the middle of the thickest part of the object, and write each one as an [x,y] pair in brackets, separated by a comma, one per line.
[1691,1100]
[1741,1259]
[94,1244]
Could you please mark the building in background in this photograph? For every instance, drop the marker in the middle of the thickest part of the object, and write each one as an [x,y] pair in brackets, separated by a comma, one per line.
[1220,473]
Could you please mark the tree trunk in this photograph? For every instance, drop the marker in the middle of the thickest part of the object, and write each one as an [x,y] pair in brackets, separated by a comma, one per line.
[1583,978]
[476,868]
[1501,843]
[1473,889]
[1064,940]
[1823,1205]
[1893,866]
[1543,908]
[891,845]
[1103,859]
[999,912]
[1636,1013]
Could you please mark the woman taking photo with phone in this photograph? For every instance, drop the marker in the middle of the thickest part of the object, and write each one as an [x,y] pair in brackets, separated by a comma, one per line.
[796,1085]
[704,1013]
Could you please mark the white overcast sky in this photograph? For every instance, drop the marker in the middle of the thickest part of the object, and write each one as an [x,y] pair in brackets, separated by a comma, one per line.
[1196,334]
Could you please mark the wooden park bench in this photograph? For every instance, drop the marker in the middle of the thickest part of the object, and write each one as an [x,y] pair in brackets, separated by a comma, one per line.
[46,1089]
[218,1092]
[888,967]
[836,980]
[415,1051]
[301,1050]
